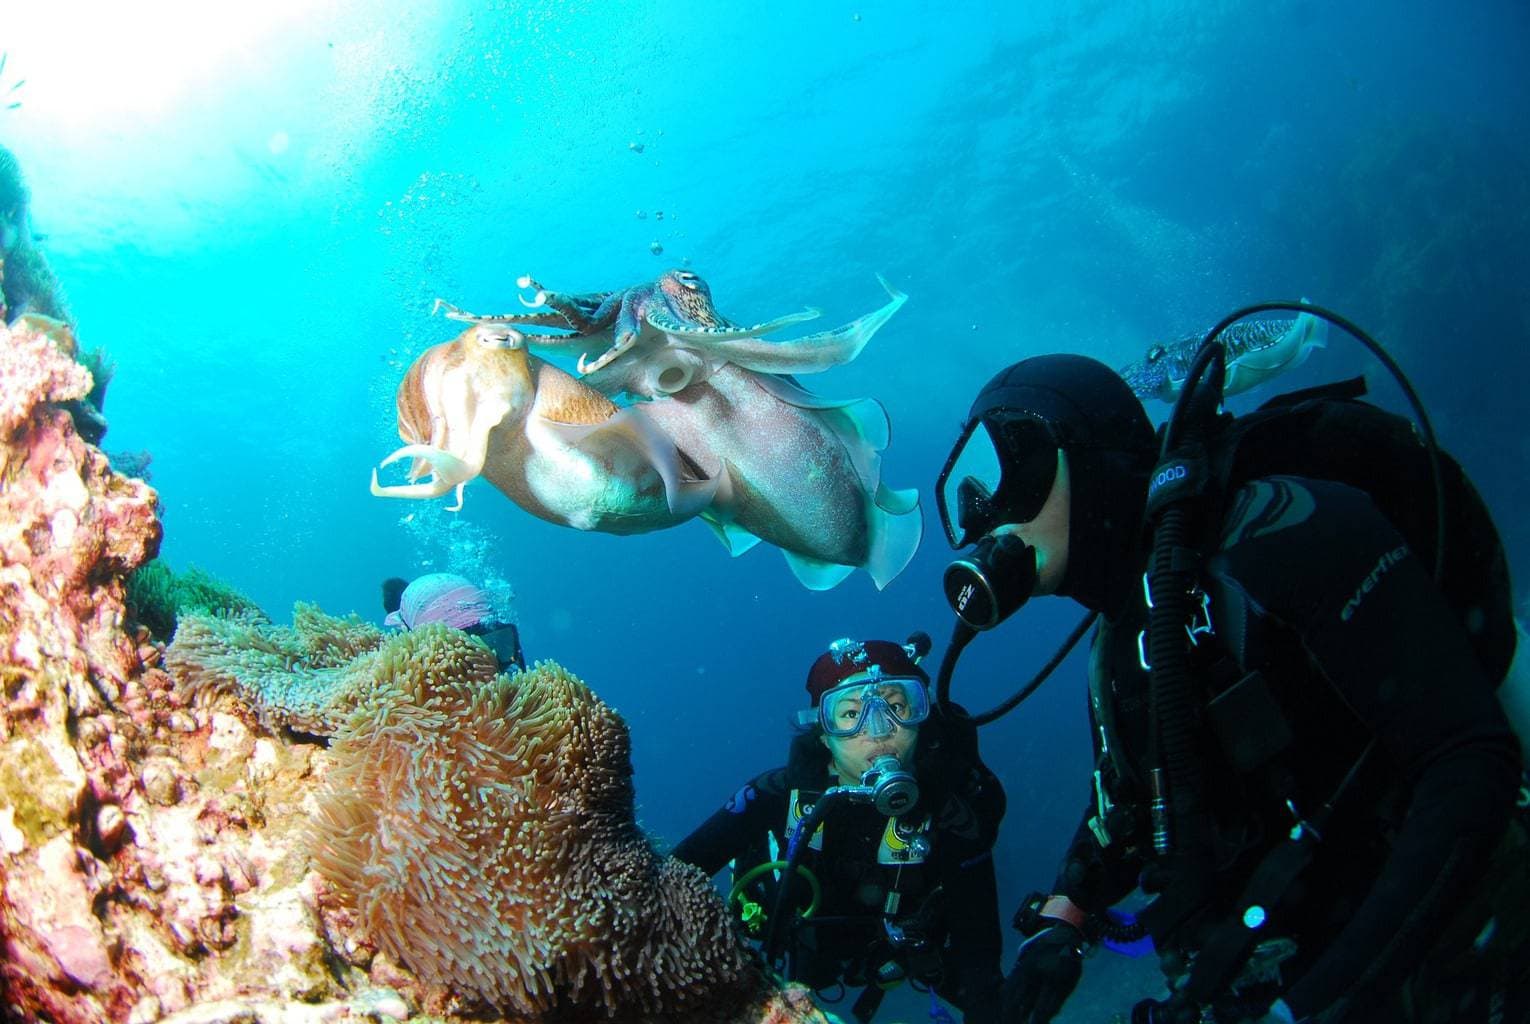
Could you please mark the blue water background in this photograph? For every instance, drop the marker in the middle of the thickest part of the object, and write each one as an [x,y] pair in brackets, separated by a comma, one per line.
[258,242]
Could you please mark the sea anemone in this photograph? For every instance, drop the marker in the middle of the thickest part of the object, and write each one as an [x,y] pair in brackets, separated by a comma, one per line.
[482,827]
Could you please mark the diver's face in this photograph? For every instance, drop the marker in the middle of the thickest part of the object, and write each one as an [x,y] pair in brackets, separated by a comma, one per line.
[1048,532]
[852,755]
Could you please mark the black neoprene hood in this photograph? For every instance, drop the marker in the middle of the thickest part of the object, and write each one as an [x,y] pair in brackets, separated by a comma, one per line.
[1083,401]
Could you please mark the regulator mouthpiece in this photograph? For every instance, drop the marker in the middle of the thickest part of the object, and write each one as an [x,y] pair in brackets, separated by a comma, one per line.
[991,583]
[893,790]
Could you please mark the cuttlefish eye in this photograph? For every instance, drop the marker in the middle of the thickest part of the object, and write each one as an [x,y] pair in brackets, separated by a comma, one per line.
[1156,353]
[499,337]
[687,278]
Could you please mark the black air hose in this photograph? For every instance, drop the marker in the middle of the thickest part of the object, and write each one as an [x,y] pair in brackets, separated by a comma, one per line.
[799,841]
[961,636]
[1172,703]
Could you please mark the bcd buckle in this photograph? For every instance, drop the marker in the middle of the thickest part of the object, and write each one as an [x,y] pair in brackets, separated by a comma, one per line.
[1200,624]
[1102,807]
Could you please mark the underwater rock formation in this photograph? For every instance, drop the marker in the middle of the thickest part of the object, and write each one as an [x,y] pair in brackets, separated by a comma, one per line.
[70,528]
[27,285]
[152,862]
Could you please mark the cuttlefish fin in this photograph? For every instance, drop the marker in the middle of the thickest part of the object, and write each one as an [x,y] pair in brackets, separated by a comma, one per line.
[448,472]
[811,354]
[733,536]
[689,488]
[1306,333]
[896,528]
[815,574]
[894,523]
[899,501]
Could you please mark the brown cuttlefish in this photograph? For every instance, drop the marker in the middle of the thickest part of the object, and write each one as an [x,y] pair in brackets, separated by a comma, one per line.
[481,405]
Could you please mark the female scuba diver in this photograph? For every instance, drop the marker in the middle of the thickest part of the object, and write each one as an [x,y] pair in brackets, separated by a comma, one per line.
[883,819]
[449,598]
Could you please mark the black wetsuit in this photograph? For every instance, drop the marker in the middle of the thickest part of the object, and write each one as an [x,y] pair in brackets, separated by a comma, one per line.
[949,899]
[1313,587]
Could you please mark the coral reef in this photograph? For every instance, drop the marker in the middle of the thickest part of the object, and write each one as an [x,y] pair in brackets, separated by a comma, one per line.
[483,830]
[157,596]
[134,464]
[153,865]
[70,528]
[27,285]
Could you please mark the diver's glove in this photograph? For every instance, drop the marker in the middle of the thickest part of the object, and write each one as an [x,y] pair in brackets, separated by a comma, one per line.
[1045,974]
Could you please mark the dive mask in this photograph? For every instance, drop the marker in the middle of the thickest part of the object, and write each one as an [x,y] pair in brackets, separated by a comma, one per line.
[870,703]
[1001,471]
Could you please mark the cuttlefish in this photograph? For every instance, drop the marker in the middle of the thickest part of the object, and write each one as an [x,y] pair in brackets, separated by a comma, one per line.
[800,471]
[482,405]
[1257,351]
[659,337]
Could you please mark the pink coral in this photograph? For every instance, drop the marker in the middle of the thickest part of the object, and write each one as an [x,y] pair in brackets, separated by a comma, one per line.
[70,528]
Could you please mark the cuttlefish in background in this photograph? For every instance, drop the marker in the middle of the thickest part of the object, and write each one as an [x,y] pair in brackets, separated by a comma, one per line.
[482,405]
[800,471]
[1257,351]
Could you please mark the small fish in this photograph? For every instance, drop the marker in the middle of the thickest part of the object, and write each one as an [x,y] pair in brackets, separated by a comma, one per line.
[1257,351]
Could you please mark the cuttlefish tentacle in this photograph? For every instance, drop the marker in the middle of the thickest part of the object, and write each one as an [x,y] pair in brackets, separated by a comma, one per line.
[445,388]
[580,314]
[583,314]
[629,316]
[669,323]
[447,472]
[548,319]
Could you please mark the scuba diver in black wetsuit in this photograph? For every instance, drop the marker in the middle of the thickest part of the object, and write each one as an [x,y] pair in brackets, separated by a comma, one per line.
[1308,770]
[886,818]
[446,597]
